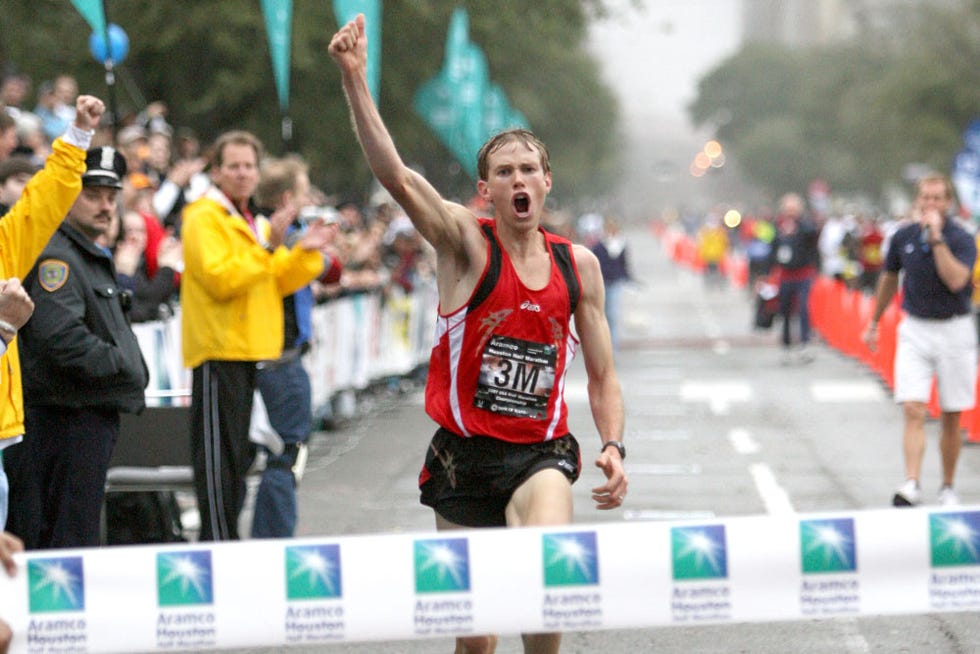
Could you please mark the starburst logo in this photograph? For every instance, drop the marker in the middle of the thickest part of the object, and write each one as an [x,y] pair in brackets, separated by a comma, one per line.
[56,584]
[699,552]
[313,572]
[442,566]
[827,545]
[570,559]
[955,538]
[184,578]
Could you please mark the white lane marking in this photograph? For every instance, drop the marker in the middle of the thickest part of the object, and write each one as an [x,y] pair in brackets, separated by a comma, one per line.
[773,496]
[646,391]
[719,395]
[672,410]
[846,391]
[742,441]
[657,434]
[653,373]
[663,469]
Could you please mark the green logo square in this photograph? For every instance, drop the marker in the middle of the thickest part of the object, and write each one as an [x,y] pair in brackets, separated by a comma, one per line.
[442,565]
[828,546]
[56,584]
[313,572]
[570,559]
[184,578]
[954,538]
[699,552]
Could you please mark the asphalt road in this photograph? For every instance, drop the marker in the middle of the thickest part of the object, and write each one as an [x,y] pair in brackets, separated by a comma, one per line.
[717,426]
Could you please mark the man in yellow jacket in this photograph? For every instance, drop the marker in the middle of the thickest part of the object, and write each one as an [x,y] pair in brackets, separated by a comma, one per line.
[231,299]
[24,232]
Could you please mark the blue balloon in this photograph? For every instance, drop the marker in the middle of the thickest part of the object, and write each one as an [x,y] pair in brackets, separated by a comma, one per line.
[118,45]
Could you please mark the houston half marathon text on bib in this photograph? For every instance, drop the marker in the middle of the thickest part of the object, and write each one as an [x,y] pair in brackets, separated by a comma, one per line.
[516,377]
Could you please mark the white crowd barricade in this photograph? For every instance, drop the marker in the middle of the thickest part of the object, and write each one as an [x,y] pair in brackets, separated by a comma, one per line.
[422,321]
[170,381]
[356,340]
[406,329]
[579,577]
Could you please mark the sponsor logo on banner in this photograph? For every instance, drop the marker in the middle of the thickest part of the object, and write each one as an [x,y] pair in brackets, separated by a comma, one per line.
[699,558]
[828,559]
[184,578]
[184,586]
[571,578]
[442,566]
[570,559]
[313,576]
[313,572]
[56,585]
[954,545]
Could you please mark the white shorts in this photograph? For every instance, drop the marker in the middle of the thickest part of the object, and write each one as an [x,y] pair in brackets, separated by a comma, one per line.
[946,349]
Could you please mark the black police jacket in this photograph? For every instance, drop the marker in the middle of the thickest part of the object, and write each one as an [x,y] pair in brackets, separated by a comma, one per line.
[78,349]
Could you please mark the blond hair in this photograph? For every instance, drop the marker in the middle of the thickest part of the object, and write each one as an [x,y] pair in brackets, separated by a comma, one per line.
[497,141]
[276,177]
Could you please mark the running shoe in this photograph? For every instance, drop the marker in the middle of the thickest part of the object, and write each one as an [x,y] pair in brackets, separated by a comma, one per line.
[805,354]
[948,497]
[908,494]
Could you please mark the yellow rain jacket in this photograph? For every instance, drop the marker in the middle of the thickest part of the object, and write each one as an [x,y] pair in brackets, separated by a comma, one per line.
[24,232]
[232,287]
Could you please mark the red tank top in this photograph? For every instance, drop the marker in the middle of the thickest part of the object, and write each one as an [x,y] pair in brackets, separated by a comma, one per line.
[498,365]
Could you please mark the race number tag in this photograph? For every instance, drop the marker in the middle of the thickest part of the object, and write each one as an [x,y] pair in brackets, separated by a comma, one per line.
[516,378]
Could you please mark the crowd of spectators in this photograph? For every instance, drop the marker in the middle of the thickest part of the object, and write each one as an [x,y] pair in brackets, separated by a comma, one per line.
[852,240]
[168,167]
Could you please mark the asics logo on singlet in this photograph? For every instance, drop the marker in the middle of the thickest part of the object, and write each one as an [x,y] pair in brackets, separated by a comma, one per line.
[527,305]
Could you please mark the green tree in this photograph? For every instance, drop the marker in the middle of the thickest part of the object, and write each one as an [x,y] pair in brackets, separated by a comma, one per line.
[854,113]
[209,61]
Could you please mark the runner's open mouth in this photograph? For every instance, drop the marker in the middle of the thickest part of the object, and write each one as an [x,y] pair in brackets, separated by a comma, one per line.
[522,203]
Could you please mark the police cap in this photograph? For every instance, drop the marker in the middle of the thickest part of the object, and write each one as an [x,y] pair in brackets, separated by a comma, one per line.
[104,167]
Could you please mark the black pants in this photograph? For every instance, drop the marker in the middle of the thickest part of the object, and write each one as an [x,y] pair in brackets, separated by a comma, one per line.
[59,471]
[221,411]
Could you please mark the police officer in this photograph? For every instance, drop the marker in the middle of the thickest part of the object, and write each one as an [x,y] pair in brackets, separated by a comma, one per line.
[82,364]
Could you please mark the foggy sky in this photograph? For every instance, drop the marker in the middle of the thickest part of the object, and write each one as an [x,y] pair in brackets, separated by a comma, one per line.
[652,58]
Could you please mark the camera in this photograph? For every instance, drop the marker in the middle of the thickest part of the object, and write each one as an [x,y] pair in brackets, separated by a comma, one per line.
[312,214]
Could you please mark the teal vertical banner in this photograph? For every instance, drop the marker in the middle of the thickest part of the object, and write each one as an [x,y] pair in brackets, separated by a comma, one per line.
[345,11]
[460,104]
[278,26]
[94,14]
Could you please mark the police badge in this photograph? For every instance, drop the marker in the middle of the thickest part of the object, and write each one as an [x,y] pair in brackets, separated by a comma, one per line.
[52,274]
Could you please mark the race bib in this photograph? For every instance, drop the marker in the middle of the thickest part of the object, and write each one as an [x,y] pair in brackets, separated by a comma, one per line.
[516,377]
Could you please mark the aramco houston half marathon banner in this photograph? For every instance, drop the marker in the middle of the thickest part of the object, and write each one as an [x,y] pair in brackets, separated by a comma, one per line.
[572,578]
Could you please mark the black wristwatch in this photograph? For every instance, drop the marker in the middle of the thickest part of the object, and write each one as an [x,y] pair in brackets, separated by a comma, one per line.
[618,445]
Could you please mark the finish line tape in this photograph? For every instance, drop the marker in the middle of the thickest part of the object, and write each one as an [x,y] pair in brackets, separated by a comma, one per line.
[273,593]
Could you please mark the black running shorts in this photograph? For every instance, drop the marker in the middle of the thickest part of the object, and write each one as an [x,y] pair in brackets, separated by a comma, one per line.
[469,481]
